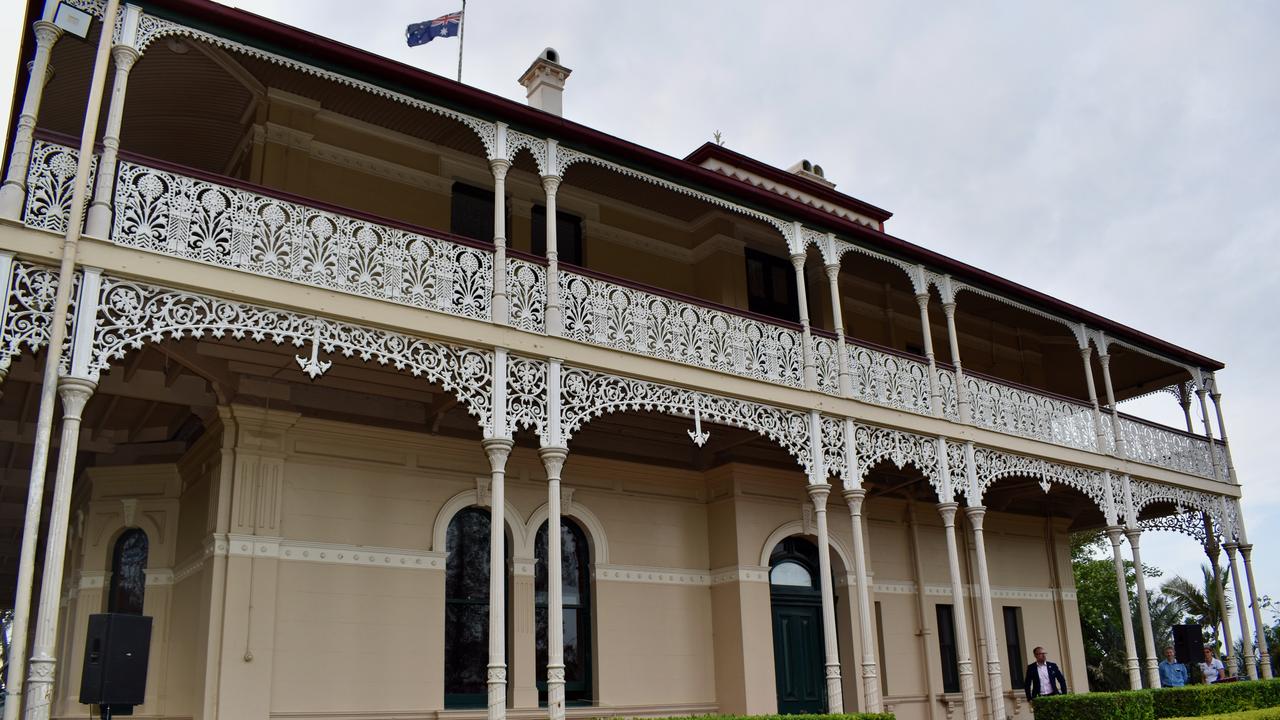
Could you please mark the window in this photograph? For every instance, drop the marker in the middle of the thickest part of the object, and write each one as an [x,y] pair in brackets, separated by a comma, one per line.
[791,574]
[128,573]
[884,672]
[575,582]
[568,235]
[466,621]
[771,286]
[471,212]
[1013,644]
[947,648]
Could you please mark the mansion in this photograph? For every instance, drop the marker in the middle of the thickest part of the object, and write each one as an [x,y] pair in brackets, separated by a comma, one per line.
[387,397]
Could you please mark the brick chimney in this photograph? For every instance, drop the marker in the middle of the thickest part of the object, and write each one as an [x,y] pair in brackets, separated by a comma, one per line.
[544,82]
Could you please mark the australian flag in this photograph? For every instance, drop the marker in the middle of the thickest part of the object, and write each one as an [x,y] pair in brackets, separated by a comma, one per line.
[445,26]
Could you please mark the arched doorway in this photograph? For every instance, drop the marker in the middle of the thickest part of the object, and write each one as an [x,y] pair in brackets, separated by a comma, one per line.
[575,576]
[128,573]
[796,600]
[466,622]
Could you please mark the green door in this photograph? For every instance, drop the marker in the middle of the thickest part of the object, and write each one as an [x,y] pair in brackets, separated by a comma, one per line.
[797,657]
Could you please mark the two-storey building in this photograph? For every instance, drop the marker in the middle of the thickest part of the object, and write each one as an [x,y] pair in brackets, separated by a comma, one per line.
[350,350]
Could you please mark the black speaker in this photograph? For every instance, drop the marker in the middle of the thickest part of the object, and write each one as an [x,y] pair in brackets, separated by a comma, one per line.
[1188,644]
[115,660]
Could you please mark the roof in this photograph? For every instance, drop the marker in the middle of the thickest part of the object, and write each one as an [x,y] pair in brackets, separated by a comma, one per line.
[315,49]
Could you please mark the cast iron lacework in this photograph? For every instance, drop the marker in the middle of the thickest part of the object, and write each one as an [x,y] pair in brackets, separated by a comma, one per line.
[991,466]
[901,448]
[587,394]
[826,356]
[833,449]
[1029,414]
[885,379]
[1190,523]
[50,179]
[527,295]
[176,215]
[130,314]
[1173,450]
[1146,493]
[28,310]
[527,395]
[603,313]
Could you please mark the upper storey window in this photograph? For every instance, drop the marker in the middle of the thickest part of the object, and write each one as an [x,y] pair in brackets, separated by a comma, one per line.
[568,235]
[471,212]
[771,286]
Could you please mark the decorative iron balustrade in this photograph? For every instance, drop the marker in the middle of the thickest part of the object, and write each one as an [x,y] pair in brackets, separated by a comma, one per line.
[1022,412]
[50,179]
[203,220]
[882,378]
[1170,449]
[604,313]
[230,227]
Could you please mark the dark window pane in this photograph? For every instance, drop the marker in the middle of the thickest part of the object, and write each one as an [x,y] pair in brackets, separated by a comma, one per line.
[568,235]
[466,627]
[771,286]
[128,573]
[471,212]
[1013,643]
[575,592]
[947,648]
[466,637]
[467,564]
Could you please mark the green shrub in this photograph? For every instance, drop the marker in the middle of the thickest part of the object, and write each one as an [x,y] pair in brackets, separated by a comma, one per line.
[1128,705]
[854,716]
[1200,700]
[1272,713]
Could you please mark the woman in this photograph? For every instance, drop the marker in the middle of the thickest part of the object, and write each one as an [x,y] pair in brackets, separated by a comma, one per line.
[1212,667]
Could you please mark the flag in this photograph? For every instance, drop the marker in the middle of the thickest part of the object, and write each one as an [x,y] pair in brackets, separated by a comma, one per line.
[424,32]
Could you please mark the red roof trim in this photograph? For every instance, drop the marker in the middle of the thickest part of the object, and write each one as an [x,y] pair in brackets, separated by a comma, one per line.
[365,63]
[711,150]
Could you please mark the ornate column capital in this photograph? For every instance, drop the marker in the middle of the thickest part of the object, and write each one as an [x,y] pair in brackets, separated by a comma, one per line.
[1230,548]
[976,513]
[1134,534]
[498,449]
[1246,549]
[553,459]
[499,166]
[46,33]
[949,310]
[550,183]
[124,57]
[74,393]
[855,497]
[818,493]
[948,512]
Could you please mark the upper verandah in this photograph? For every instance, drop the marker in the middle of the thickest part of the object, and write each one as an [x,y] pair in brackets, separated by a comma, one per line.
[323,52]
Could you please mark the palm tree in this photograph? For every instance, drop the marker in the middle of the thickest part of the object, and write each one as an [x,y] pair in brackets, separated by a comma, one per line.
[1199,603]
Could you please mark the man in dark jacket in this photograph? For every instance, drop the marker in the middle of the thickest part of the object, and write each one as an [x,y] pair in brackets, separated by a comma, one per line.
[1043,677]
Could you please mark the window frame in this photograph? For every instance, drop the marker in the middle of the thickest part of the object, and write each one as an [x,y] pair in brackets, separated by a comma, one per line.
[948,650]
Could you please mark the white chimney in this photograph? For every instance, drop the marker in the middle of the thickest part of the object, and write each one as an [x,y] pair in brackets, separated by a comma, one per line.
[544,82]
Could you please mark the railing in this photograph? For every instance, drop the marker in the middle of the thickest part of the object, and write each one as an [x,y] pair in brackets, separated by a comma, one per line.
[276,235]
[212,219]
[607,312]
[1019,411]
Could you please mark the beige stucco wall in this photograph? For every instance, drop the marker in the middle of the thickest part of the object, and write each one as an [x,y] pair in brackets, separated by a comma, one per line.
[309,551]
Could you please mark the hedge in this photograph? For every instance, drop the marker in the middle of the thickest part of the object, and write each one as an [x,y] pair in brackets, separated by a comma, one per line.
[854,716]
[1272,713]
[1128,705]
[1201,700]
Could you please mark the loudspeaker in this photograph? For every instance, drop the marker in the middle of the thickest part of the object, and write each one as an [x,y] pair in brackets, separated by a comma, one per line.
[1188,644]
[115,659]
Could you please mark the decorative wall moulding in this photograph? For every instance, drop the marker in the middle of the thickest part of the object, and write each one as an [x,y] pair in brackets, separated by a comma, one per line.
[659,576]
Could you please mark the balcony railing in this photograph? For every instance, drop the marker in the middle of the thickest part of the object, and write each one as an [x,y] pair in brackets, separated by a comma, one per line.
[217,220]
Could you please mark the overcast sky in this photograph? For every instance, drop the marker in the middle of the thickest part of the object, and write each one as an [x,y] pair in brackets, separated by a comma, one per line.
[1122,156]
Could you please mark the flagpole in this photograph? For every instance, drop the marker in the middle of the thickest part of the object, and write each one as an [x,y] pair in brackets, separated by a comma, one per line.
[462,30]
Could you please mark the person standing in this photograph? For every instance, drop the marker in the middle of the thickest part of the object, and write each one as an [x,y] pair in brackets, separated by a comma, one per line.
[1212,667]
[1172,672]
[1043,677]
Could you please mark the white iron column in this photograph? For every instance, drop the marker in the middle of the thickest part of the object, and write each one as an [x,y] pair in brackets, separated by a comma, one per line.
[14,191]
[125,55]
[1086,355]
[1222,433]
[1184,399]
[963,658]
[935,393]
[1144,611]
[1211,551]
[1104,358]
[555,311]
[553,457]
[837,319]
[498,449]
[1114,533]
[499,166]
[75,392]
[553,460]
[1264,655]
[802,299]
[1203,393]
[818,492]
[870,673]
[1242,611]
[953,338]
[995,681]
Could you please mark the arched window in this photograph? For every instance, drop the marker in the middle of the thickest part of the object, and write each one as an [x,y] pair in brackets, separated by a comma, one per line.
[466,622]
[128,573]
[575,576]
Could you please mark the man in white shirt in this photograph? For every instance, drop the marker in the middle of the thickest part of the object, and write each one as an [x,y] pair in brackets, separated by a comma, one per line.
[1043,677]
[1212,667]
